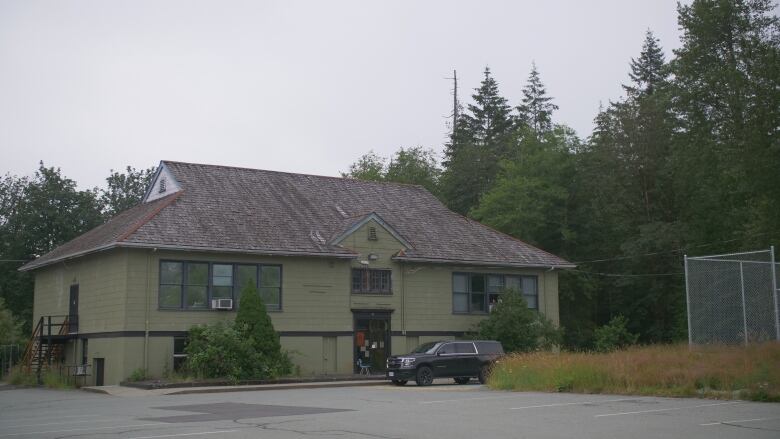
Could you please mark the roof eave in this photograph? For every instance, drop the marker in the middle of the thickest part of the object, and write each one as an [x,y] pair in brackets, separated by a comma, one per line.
[238,250]
[482,263]
[34,266]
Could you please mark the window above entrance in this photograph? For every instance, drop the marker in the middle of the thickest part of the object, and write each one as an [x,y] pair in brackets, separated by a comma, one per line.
[371,281]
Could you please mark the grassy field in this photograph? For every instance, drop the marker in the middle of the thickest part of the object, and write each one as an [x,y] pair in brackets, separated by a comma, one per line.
[722,372]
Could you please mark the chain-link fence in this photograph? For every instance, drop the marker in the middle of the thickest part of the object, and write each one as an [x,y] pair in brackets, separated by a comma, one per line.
[9,357]
[732,298]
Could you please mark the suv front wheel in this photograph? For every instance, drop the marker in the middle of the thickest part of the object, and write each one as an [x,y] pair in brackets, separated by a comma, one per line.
[424,376]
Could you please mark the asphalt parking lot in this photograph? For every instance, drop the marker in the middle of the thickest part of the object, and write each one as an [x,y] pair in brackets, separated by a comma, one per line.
[380,411]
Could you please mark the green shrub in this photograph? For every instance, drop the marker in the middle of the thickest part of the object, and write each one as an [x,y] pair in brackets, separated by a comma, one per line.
[614,335]
[517,327]
[220,351]
[138,375]
[246,349]
[54,380]
[19,377]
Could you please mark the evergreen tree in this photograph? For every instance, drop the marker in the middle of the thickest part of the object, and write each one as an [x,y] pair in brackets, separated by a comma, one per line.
[254,323]
[488,119]
[648,71]
[536,108]
[481,140]
[727,89]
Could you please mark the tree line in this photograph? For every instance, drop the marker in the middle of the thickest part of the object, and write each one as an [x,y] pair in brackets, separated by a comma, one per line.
[41,212]
[686,161]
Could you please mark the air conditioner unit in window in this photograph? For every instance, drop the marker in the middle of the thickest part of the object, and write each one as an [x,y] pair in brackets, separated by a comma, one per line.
[222,303]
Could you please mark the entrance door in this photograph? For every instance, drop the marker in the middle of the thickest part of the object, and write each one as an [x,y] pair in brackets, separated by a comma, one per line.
[372,339]
[73,310]
[99,370]
[329,355]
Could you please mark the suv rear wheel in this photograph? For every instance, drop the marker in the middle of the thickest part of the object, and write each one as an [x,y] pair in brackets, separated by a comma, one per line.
[424,376]
[462,380]
[484,372]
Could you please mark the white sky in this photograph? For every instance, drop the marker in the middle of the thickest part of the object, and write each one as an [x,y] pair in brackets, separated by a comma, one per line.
[291,86]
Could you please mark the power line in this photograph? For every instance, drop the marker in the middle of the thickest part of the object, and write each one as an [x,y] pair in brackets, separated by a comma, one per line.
[680,250]
[626,275]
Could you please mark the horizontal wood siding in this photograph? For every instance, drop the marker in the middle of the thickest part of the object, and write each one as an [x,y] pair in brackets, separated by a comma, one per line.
[102,283]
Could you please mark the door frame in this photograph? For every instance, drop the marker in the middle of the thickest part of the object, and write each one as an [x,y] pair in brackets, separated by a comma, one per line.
[73,318]
[99,364]
[371,314]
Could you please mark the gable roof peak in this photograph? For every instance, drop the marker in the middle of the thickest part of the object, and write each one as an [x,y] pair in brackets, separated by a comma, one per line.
[364,219]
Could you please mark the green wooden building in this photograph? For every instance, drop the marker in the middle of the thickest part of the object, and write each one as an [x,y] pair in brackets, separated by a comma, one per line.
[348,269]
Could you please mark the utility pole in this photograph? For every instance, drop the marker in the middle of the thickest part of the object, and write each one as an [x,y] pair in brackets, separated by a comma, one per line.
[454,101]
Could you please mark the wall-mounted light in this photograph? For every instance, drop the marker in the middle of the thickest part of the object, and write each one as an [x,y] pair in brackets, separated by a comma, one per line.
[363,262]
[373,256]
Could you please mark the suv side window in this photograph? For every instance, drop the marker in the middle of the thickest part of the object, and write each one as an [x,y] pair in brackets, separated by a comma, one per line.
[489,347]
[465,348]
[448,348]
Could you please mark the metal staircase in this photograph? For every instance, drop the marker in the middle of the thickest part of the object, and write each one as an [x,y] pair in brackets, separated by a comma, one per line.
[47,342]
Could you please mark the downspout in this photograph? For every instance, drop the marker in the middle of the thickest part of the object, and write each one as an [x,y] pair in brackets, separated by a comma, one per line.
[545,297]
[146,309]
[403,298]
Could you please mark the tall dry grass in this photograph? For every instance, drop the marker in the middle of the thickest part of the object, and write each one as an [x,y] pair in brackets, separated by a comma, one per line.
[723,372]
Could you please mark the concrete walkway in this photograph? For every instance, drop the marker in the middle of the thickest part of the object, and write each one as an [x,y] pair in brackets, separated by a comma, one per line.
[132,391]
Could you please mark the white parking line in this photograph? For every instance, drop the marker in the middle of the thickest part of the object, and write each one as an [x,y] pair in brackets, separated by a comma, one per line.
[739,420]
[468,399]
[81,429]
[571,403]
[59,417]
[61,423]
[666,410]
[184,434]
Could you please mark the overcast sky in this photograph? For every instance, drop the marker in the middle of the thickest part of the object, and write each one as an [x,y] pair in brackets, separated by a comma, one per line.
[291,86]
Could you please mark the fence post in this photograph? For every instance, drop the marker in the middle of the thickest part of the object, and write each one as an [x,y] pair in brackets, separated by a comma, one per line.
[688,302]
[744,311]
[774,293]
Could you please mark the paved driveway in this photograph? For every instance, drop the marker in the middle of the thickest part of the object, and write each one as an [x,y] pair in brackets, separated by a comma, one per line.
[382,411]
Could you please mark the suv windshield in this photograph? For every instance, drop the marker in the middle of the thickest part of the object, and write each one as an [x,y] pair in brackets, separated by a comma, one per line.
[426,348]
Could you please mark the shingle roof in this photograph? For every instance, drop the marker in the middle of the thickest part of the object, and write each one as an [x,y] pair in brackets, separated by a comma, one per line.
[266,212]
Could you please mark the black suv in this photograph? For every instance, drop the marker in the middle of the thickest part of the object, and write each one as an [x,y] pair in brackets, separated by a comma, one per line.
[459,359]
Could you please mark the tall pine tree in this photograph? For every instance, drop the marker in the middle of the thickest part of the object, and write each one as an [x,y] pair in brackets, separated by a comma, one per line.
[536,108]
[482,137]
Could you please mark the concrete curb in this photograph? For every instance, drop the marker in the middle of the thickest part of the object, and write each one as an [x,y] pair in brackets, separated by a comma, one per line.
[134,391]
[325,385]
[157,385]
[95,390]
